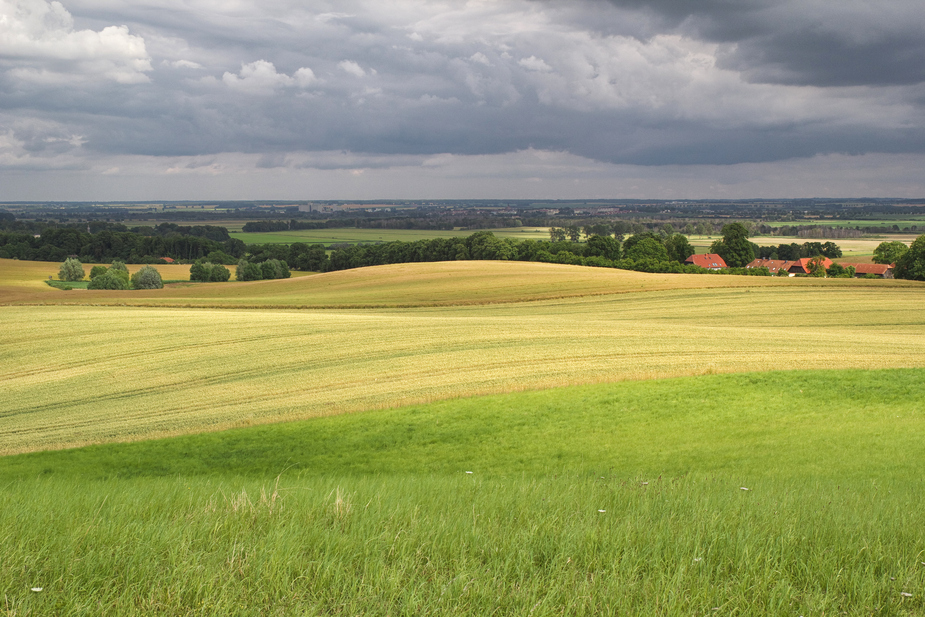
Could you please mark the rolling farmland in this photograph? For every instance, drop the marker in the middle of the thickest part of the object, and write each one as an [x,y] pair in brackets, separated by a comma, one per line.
[101,371]
[724,447]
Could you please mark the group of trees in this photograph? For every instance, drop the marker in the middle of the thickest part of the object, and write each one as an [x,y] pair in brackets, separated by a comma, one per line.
[56,244]
[206,271]
[794,251]
[911,264]
[889,252]
[116,276]
[646,251]
[269,269]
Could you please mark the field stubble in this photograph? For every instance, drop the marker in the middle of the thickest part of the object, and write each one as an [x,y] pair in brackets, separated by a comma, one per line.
[81,374]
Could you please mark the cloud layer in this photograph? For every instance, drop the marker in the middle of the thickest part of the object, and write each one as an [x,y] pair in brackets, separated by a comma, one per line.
[620,82]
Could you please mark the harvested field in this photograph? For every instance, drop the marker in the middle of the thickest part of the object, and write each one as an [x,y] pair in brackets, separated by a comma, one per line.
[84,374]
[451,283]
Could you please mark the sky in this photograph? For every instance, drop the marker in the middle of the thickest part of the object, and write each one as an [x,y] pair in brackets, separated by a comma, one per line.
[132,100]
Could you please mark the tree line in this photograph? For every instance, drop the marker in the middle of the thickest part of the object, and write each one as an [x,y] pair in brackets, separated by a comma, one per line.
[56,244]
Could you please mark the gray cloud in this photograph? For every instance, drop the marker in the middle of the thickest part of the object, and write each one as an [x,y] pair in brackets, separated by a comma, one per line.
[805,42]
[651,83]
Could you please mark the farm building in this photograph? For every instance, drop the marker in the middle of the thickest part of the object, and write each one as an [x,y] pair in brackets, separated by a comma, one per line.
[710,261]
[801,266]
[882,270]
[773,265]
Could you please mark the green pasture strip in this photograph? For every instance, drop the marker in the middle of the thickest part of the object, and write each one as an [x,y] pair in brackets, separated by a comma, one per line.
[354,235]
[839,425]
[65,284]
[885,222]
[602,500]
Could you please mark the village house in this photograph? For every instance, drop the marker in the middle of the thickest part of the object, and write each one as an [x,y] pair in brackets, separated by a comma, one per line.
[801,266]
[710,261]
[773,265]
[882,270]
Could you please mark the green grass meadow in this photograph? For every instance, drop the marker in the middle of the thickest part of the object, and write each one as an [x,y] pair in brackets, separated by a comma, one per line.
[620,498]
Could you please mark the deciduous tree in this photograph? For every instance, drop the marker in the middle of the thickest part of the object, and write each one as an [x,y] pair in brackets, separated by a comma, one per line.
[889,252]
[71,270]
[734,248]
[147,278]
[912,263]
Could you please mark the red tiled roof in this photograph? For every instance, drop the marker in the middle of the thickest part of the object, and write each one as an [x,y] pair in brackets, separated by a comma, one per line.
[710,261]
[802,265]
[878,269]
[169,260]
[773,265]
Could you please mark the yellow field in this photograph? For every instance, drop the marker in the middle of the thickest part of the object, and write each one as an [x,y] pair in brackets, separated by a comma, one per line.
[75,374]
[402,285]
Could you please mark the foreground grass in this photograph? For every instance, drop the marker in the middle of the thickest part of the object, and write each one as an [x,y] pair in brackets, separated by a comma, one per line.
[621,498]
[463,546]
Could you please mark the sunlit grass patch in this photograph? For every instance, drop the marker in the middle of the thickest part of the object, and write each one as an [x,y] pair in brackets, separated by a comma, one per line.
[603,499]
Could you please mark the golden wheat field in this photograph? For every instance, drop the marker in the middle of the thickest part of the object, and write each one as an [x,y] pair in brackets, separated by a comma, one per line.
[77,374]
[402,285]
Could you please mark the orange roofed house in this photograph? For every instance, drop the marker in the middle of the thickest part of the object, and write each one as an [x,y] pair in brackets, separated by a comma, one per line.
[710,261]
[801,266]
[773,265]
[881,270]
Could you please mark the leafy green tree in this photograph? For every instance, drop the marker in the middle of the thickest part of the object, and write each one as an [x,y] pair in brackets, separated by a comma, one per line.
[118,264]
[147,278]
[200,271]
[220,273]
[308,258]
[889,252]
[817,266]
[574,233]
[96,271]
[111,279]
[836,271]
[912,263]
[271,269]
[204,271]
[831,250]
[734,247]
[636,238]
[71,270]
[247,271]
[557,234]
[648,248]
[221,257]
[603,246]
[678,248]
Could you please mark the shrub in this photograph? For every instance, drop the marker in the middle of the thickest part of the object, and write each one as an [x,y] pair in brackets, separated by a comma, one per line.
[147,278]
[111,279]
[71,270]
[200,271]
[246,271]
[219,273]
[97,271]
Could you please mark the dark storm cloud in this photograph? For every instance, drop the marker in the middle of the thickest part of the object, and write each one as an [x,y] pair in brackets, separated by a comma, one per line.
[624,81]
[814,42]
